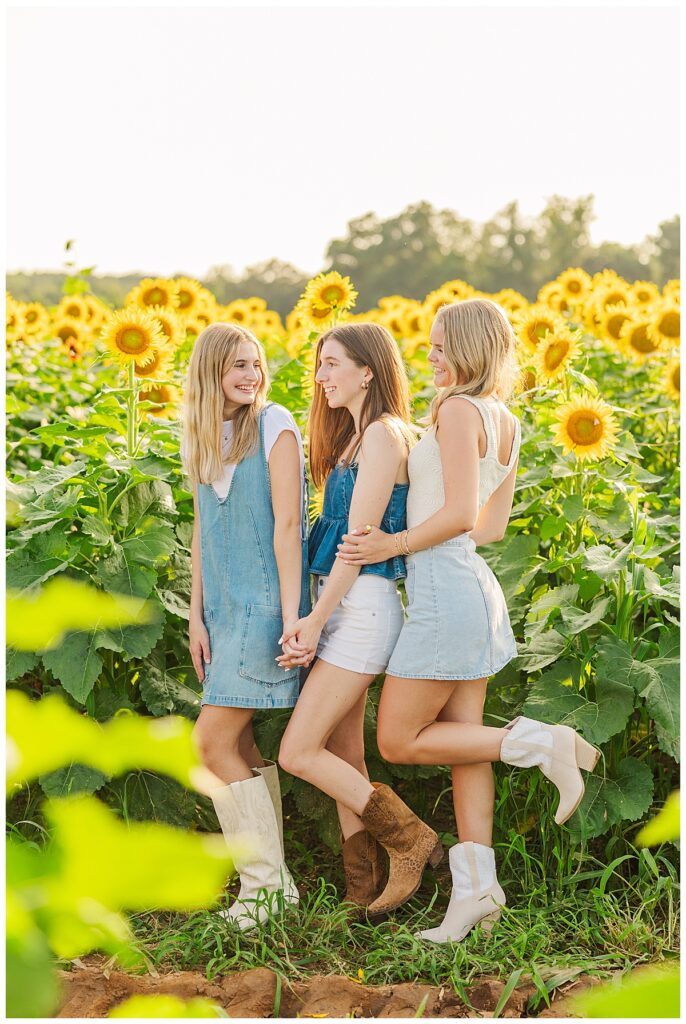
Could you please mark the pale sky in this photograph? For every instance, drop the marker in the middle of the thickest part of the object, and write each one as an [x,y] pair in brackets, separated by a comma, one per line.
[171,139]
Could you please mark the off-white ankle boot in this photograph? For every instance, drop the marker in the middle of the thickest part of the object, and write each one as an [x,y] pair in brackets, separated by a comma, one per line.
[245,810]
[476,897]
[558,751]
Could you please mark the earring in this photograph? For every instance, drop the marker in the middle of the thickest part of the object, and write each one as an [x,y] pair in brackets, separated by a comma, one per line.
[365,384]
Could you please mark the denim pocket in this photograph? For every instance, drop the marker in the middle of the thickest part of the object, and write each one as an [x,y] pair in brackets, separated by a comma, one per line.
[260,646]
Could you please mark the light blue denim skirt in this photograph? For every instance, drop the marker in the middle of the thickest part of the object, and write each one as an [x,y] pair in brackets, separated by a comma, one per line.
[457,624]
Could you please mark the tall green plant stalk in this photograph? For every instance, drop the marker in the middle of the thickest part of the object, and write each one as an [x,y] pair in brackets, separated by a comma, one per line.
[132,412]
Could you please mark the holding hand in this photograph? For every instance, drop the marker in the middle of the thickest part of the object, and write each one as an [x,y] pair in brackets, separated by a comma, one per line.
[299,642]
[366,545]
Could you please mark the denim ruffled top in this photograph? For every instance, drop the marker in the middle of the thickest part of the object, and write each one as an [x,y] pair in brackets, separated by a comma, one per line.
[327,531]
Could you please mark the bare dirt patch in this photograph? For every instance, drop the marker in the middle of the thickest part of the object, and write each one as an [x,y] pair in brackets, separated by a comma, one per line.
[90,991]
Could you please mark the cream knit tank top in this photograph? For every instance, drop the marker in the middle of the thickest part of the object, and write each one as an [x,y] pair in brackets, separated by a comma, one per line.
[426,495]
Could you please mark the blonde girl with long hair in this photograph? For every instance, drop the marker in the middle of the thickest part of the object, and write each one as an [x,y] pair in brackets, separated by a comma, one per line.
[359,438]
[244,457]
[457,634]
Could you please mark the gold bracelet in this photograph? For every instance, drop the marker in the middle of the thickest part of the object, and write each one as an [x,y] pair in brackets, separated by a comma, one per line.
[396,538]
[408,550]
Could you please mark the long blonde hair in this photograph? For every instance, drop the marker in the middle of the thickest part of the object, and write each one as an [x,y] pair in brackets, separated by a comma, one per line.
[479,348]
[388,395]
[214,353]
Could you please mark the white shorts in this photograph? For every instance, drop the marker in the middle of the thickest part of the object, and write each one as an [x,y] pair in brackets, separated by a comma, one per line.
[362,630]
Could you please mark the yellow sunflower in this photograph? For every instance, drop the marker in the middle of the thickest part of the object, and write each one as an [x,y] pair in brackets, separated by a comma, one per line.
[637,340]
[459,289]
[36,318]
[165,397]
[392,302]
[132,335]
[535,323]
[66,328]
[415,319]
[672,379]
[238,312]
[74,307]
[434,300]
[192,327]
[575,284]
[153,291]
[266,322]
[512,302]
[612,321]
[672,290]
[618,294]
[97,311]
[171,325]
[394,320]
[644,292]
[159,366]
[255,304]
[667,323]
[553,354]
[553,296]
[316,318]
[526,382]
[191,295]
[587,427]
[330,290]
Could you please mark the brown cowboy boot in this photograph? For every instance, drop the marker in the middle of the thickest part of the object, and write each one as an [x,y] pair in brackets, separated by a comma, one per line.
[410,845]
[365,871]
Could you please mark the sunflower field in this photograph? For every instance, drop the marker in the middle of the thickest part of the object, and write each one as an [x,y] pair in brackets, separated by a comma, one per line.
[589,566]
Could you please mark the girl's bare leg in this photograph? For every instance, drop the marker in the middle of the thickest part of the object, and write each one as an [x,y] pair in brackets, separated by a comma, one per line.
[347,742]
[327,697]
[217,734]
[473,785]
[248,749]
[409,733]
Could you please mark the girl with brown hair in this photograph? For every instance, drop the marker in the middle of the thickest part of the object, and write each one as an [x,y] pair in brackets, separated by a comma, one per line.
[359,440]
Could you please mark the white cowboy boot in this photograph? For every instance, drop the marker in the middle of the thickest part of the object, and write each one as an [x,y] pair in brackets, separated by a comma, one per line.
[558,751]
[476,897]
[270,773]
[245,810]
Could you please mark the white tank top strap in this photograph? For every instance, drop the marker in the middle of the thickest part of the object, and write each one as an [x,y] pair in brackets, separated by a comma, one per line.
[489,425]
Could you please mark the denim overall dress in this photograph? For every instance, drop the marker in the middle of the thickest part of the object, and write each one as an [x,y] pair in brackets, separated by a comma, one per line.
[330,526]
[241,596]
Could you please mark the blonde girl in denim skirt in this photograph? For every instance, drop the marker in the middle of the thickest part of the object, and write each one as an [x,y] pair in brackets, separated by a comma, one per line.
[244,457]
[457,632]
[359,438]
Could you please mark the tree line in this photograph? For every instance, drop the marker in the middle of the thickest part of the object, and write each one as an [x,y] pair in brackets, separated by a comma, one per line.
[417,250]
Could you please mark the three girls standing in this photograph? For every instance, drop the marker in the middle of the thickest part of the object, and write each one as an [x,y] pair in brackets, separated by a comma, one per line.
[457,632]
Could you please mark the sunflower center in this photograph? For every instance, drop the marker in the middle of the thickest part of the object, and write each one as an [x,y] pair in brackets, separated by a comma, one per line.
[31,316]
[574,287]
[640,341]
[555,354]
[185,299]
[614,324]
[332,295]
[670,325]
[67,332]
[131,340]
[73,311]
[538,329]
[676,379]
[155,297]
[238,315]
[584,427]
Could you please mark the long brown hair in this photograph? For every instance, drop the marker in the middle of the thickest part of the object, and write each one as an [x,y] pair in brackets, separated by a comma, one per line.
[388,395]
[214,353]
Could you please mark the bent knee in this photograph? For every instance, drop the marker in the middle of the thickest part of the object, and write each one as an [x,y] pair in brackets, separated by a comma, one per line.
[394,748]
[292,759]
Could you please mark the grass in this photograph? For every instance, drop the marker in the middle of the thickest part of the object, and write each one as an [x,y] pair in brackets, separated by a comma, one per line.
[597,919]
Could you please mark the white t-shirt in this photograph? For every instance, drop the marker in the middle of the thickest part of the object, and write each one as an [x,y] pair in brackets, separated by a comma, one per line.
[276,420]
